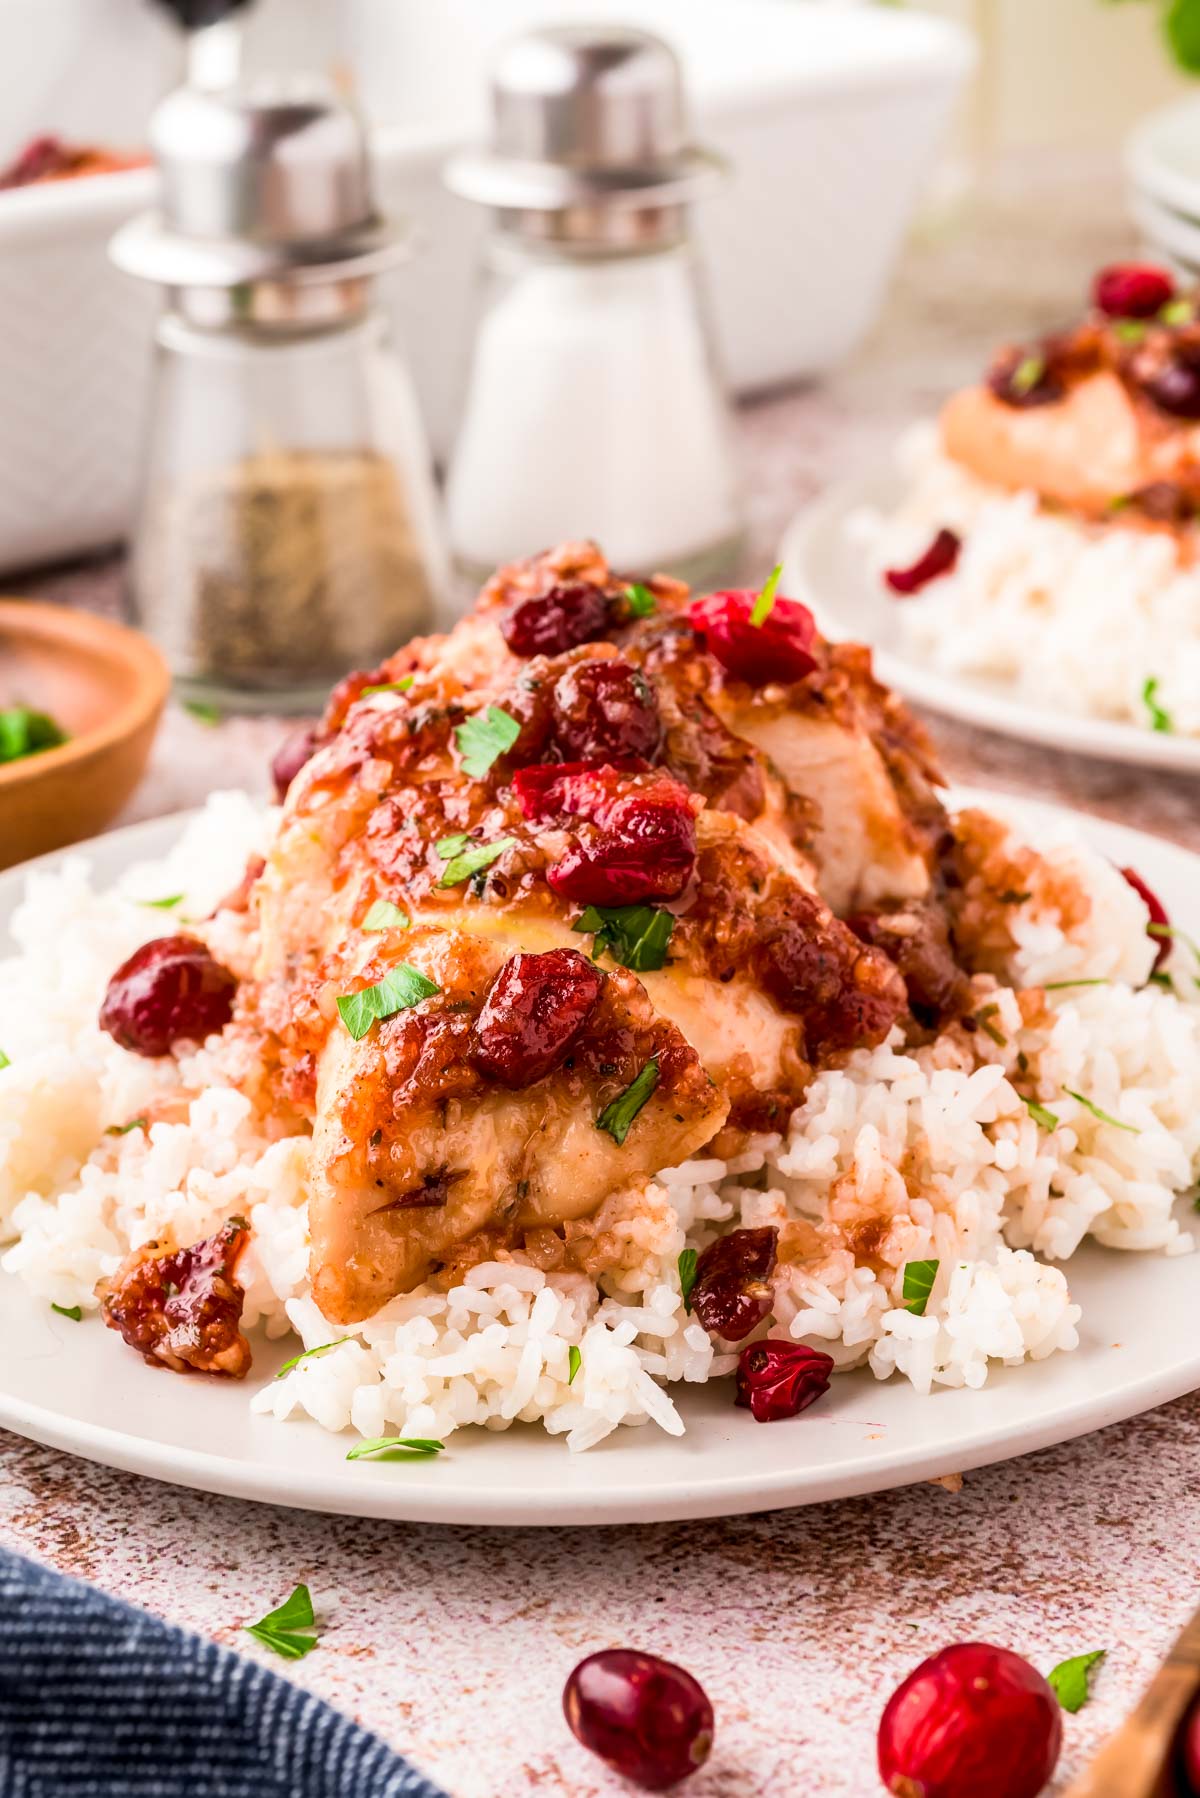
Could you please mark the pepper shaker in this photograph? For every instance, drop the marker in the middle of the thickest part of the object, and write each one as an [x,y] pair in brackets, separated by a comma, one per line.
[594,407]
[287,528]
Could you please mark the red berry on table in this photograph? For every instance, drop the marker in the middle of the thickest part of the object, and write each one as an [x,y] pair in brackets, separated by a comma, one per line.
[970,1722]
[646,1718]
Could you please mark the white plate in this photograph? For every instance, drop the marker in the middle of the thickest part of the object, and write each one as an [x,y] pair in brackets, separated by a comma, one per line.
[77,1387]
[826,564]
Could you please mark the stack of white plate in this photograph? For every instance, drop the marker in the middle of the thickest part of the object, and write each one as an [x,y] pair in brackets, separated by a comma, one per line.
[1162,166]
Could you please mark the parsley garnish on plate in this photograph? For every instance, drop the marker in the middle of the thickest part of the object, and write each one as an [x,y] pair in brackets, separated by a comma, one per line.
[24,732]
[1130,331]
[283,1630]
[1060,986]
[1173,933]
[383,915]
[322,1348]
[1104,1116]
[4,1061]
[201,709]
[636,936]
[1069,1680]
[640,600]
[396,1448]
[1045,1120]
[462,863]
[617,1116]
[765,602]
[989,1029]
[389,686]
[1160,718]
[1176,312]
[918,1284]
[574,1363]
[447,847]
[400,988]
[484,738]
[687,1275]
[1025,377]
[124,1129]
[167,904]
[74,1312]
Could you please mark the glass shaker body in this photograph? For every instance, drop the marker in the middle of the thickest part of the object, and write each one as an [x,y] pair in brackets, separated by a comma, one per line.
[594,409]
[288,527]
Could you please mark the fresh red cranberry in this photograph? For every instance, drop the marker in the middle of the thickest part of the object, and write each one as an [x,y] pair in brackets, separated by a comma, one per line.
[970,1722]
[535,1009]
[780,1379]
[1158,914]
[940,558]
[605,711]
[778,649]
[732,1291]
[567,789]
[1132,290]
[1024,378]
[647,1719]
[297,748]
[1175,388]
[551,623]
[168,990]
[646,850]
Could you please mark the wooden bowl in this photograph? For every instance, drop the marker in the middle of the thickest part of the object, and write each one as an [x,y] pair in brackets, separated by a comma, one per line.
[105,686]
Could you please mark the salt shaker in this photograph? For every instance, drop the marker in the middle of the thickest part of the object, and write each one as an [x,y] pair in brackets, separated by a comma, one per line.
[593,407]
[288,527]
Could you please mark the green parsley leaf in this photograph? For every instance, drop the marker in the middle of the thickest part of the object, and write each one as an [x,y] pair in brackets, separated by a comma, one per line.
[1069,1680]
[201,709]
[484,738]
[1196,1201]
[167,904]
[1028,372]
[389,686]
[1130,330]
[1160,719]
[4,1061]
[280,1630]
[687,1275]
[1046,1120]
[918,1284]
[1011,897]
[765,602]
[1174,934]
[396,1448]
[473,860]
[124,1129]
[74,1312]
[383,915]
[322,1348]
[1176,312]
[617,1116]
[400,988]
[1060,986]
[636,936]
[448,847]
[989,1029]
[641,602]
[24,732]
[1104,1116]
[574,1363]
[1160,977]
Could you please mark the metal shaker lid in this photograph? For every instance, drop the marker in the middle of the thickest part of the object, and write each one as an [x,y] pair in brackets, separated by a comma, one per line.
[585,117]
[266,182]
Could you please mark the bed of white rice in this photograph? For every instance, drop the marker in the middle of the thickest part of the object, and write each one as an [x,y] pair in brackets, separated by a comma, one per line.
[939,1138]
[1075,616]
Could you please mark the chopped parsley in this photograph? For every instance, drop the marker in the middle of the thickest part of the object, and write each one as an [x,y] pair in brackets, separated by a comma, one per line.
[4,1061]
[1069,1680]
[764,604]
[1060,986]
[389,686]
[918,1284]
[167,904]
[74,1312]
[574,1363]
[1130,330]
[201,709]
[451,846]
[484,738]
[24,732]
[1173,933]
[636,936]
[383,915]
[1012,897]
[617,1116]
[640,600]
[396,1448]
[1104,1116]
[1161,978]
[687,1275]
[400,988]
[1160,718]
[310,1355]
[1026,375]
[989,1029]
[124,1129]
[284,1630]
[1045,1120]
[1176,312]
[465,862]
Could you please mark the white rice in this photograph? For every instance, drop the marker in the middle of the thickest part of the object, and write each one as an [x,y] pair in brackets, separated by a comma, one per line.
[1075,616]
[999,1197]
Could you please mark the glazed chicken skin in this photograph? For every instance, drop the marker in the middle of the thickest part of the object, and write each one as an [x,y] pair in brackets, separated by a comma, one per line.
[555,903]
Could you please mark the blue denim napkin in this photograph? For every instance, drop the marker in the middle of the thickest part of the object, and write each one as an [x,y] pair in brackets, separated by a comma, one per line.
[98,1700]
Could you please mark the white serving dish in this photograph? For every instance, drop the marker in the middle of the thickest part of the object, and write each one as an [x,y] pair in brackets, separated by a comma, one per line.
[829,115]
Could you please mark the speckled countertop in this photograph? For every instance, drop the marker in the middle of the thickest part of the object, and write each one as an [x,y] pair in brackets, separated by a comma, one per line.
[454,1642]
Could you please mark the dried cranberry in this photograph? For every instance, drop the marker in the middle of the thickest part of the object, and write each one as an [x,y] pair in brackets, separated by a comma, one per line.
[646,1718]
[566,789]
[732,1293]
[297,748]
[605,711]
[1024,378]
[535,1009]
[1163,502]
[1176,386]
[182,1310]
[971,1722]
[168,990]
[551,623]
[940,558]
[780,1379]
[778,649]
[1132,290]
[1158,915]
[646,850]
